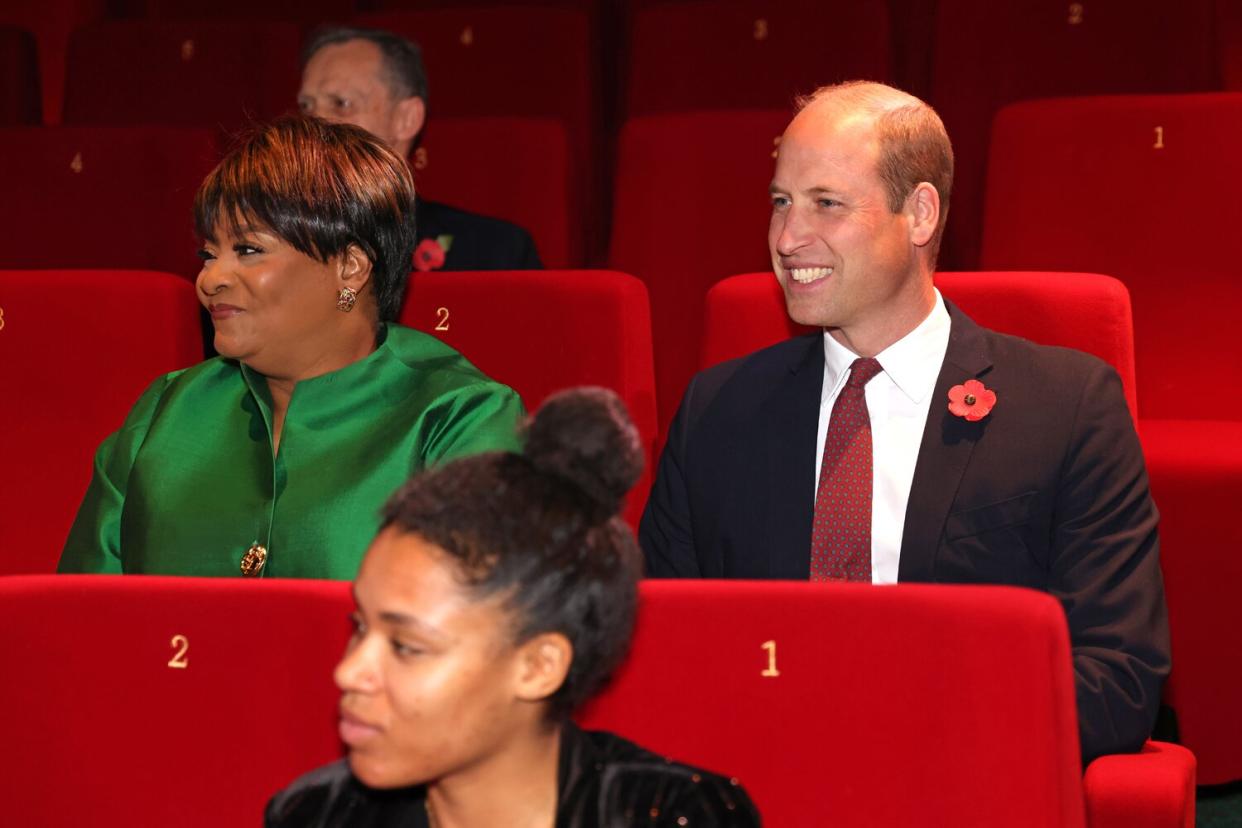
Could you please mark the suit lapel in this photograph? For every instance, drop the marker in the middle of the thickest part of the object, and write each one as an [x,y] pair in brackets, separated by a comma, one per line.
[791,420]
[944,452]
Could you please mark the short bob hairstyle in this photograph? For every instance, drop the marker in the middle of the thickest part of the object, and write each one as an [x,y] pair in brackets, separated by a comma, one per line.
[320,187]
[540,531]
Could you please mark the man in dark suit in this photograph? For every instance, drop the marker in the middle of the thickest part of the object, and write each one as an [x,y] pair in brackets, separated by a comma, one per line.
[906,443]
[375,79]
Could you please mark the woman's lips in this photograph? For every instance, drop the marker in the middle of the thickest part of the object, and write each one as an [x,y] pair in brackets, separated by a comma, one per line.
[355,731]
[219,312]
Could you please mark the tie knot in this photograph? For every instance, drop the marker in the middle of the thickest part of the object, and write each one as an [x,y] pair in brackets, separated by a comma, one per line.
[862,370]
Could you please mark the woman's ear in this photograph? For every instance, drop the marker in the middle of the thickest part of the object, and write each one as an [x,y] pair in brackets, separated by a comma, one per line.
[354,267]
[543,664]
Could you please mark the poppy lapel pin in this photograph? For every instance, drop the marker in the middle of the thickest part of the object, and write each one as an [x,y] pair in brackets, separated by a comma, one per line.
[971,400]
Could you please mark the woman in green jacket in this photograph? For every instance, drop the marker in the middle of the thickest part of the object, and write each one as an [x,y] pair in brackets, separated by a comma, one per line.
[274,458]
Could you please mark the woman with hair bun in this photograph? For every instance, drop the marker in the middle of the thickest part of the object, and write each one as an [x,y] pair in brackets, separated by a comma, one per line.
[499,595]
[273,459]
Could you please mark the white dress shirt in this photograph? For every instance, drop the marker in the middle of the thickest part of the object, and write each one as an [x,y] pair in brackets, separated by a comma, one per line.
[898,400]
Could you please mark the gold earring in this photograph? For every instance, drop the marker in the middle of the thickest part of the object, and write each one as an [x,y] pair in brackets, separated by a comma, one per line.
[345,299]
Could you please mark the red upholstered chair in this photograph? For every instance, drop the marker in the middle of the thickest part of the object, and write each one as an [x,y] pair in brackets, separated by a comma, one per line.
[691,206]
[541,331]
[534,61]
[733,54]
[51,21]
[76,350]
[1229,34]
[101,196]
[989,54]
[836,704]
[1084,162]
[211,74]
[164,701]
[19,77]
[309,12]
[1085,311]
[517,169]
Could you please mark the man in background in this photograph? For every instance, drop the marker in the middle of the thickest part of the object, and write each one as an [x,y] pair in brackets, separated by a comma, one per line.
[375,79]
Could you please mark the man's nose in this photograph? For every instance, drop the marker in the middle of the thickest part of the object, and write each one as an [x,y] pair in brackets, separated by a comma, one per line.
[792,234]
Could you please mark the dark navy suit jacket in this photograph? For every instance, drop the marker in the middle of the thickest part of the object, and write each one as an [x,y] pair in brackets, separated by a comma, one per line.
[1049,491]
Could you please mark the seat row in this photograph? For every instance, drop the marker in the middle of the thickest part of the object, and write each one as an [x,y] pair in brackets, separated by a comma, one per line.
[593,66]
[190,702]
[539,331]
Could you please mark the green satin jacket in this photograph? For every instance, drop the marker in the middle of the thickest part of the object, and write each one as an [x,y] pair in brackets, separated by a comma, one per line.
[189,483]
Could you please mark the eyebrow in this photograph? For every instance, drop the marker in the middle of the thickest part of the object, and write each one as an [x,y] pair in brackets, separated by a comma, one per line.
[400,619]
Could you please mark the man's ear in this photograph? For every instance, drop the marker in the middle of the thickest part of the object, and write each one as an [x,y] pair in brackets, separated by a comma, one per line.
[543,664]
[354,268]
[923,211]
[410,116]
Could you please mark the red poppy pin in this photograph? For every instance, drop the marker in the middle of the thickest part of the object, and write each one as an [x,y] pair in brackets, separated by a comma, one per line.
[971,400]
[430,253]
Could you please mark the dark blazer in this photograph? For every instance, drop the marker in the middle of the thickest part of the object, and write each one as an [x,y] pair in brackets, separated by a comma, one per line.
[1049,491]
[479,242]
[603,781]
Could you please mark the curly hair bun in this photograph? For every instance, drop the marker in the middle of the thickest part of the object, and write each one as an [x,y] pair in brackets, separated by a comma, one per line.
[585,436]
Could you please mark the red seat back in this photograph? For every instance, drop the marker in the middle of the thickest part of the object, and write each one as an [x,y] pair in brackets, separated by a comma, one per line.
[1085,311]
[164,701]
[101,196]
[223,75]
[517,169]
[691,207]
[76,350]
[541,331]
[19,78]
[989,54]
[838,704]
[733,54]
[1065,179]
[51,21]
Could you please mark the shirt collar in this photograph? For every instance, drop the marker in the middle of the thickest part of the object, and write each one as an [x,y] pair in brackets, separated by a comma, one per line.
[912,362]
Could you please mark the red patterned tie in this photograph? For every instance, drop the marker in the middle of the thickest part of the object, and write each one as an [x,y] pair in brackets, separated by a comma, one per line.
[841,536]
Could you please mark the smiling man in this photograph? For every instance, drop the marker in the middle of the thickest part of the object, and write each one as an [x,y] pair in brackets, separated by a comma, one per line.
[905,442]
[375,79]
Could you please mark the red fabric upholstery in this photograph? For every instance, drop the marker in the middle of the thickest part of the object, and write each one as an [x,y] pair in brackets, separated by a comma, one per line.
[51,21]
[691,207]
[906,705]
[101,197]
[76,350]
[19,77]
[517,169]
[104,732]
[1093,159]
[1154,789]
[473,57]
[989,54]
[1229,32]
[1196,479]
[212,74]
[541,331]
[1086,311]
[310,12]
[732,54]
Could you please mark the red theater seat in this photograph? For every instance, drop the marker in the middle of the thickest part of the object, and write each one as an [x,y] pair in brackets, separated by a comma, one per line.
[211,74]
[691,206]
[510,62]
[1065,176]
[309,12]
[988,54]
[101,197]
[541,331]
[143,700]
[51,21]
[845,705]
[19,77]
[517,169]
[76,350]
[735,54]
[1086,311]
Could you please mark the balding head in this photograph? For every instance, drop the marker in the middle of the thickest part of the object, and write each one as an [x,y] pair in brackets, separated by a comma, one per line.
[913,146]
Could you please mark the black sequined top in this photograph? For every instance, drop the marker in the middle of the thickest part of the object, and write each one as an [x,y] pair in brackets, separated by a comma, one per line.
[604,781]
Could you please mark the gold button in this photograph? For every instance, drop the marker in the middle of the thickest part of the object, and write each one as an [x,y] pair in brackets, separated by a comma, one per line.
[970,399]
[254,559]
